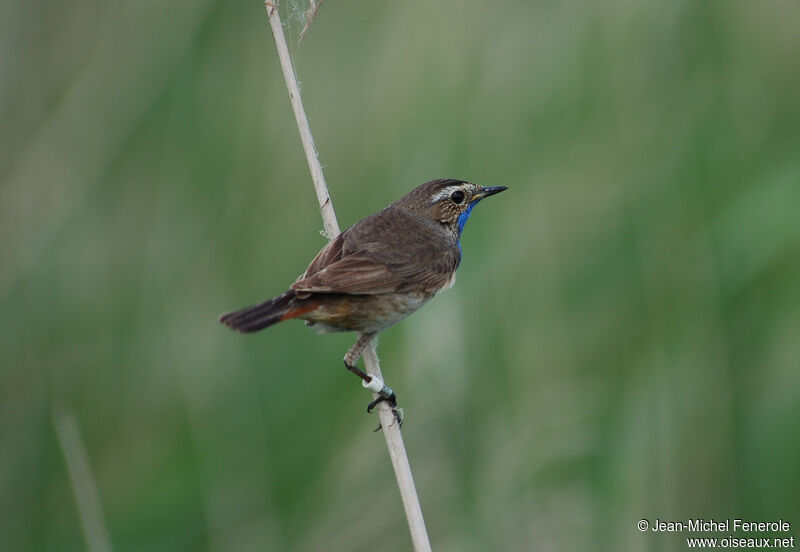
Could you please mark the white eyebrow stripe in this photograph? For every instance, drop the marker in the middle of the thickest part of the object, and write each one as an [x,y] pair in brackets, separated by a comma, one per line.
[445,193]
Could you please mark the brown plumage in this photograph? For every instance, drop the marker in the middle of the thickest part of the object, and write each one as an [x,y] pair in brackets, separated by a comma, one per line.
[379,270]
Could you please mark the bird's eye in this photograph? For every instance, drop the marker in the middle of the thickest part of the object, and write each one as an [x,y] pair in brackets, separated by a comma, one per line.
[457,197]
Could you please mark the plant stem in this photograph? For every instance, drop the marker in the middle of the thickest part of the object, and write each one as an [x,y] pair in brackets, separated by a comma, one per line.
[391,431]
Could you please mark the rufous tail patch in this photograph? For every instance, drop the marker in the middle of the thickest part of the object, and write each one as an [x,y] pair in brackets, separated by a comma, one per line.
[294,313]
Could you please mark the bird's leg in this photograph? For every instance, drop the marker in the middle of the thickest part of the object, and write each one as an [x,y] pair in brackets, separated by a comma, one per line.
[373,383]
[352,356]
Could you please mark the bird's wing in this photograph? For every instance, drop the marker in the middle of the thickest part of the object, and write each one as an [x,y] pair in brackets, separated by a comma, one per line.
[329,254]
[388,252]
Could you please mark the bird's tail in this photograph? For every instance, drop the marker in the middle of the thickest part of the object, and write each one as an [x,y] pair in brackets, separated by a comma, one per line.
[258,317]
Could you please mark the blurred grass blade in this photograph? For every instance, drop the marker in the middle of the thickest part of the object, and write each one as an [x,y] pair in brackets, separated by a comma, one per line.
[84,485]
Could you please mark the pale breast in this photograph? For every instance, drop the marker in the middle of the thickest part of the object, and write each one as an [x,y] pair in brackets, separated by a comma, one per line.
[365,313]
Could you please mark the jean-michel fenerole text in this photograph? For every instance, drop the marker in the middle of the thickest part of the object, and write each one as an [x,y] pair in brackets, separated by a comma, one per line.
[724,525]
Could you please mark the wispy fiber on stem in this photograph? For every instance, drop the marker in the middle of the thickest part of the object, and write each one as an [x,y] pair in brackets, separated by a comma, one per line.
[313,6]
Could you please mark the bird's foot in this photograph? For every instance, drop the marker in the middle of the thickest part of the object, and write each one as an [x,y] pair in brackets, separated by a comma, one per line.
[385,394]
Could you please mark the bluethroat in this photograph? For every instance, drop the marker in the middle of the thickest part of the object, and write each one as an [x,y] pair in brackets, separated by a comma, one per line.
[378,271]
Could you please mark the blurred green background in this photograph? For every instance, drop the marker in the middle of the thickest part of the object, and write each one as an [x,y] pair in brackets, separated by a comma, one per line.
[622,343]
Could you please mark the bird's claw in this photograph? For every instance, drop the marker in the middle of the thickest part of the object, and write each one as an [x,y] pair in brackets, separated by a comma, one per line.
[386,394]
[398,416]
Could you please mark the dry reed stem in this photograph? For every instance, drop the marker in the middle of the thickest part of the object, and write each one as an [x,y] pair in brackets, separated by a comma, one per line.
[391,431]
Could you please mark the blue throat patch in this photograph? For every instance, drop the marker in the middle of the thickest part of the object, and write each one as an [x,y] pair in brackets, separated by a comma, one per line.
[462,218]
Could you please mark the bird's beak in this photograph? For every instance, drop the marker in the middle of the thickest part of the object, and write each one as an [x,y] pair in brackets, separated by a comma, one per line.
[487,191]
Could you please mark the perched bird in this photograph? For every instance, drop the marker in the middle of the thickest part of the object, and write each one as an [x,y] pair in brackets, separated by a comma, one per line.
[378,271]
